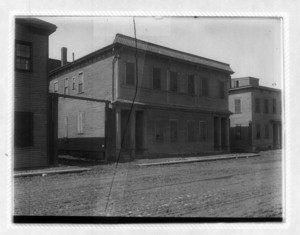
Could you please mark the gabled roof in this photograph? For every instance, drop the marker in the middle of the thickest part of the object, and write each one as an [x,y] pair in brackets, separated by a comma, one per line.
[150,47]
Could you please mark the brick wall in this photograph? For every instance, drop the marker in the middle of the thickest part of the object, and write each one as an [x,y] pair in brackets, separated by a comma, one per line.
[31,89]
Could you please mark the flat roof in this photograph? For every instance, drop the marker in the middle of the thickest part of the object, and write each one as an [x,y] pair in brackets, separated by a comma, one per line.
[127,41]
[41,25]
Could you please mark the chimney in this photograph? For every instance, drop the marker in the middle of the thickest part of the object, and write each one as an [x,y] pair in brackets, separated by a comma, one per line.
[63,56]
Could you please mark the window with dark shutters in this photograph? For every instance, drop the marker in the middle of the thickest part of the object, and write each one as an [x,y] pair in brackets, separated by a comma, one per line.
[23,129]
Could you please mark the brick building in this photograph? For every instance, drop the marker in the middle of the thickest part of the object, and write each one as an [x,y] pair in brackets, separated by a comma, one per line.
[181,105]
[256,120]
[31,93]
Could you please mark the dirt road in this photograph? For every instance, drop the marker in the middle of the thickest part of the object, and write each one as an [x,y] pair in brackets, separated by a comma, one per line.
[248,187]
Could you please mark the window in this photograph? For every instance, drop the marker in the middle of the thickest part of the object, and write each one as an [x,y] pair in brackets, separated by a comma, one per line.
[237,106]
[23,52]
[191,85]
[191,131]
[73,83]
[204,87]
[236,83]
[202,130]
[156,78]
[257,105]
[66,127]
[274,106]
[80,83]
[173,81]
[159,130]
[80,123]
[66,87]
[238,132]
[130,74]
[23,129]
[222,90]
[173,130]
[55,86]
[266,105]
[257,131]
[267,132]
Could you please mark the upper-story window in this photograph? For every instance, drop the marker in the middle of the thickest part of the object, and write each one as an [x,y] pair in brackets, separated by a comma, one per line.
[66,87]
[156,78]
[266,106]
[257,105]
[222,89]
[191,84]
[55,86]
[23,59]
[73,83]
[236,84]
[80,82]
[130,74]
[274,106]
[204,89]
[237,106]
[173,81]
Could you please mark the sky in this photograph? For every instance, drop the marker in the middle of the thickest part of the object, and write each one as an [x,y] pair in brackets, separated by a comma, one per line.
[252,46]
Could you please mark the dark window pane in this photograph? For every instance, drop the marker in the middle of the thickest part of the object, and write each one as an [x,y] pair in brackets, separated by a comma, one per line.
[257,105]
[191,85]
[238,132]
[23,129]
[23,56]
[156,78]
[204,87]
[130,78]
[173,81]
[222,89]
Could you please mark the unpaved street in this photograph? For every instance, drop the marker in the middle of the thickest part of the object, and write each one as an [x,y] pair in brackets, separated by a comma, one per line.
[248,187]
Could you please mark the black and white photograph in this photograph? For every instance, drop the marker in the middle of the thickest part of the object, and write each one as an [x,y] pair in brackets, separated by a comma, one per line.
[130,119]
[153,117]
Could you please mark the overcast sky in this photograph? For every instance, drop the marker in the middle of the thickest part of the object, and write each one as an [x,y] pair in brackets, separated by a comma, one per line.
[252,46]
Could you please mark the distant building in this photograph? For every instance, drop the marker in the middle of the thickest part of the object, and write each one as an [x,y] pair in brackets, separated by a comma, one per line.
[256,120]
[181,105]
[31,93]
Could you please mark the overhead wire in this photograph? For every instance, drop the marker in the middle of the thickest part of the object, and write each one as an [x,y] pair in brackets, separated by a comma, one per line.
[129,116]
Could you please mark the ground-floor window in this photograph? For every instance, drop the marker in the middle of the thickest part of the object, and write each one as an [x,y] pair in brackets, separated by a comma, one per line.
[23,129]
[267,133]
[257,131]
[173,130]
[202,130]
[238,132]
[159,130]
[191,131]
[80,123]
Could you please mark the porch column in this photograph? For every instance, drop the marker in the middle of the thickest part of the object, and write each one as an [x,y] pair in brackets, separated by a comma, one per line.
[132,133]
[118,131]
[219,133]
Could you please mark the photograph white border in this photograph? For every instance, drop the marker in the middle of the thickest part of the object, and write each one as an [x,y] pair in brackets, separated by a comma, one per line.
[286,88]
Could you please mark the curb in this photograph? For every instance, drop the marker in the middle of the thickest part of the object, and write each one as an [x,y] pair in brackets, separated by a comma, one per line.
[197,160]
[50,172]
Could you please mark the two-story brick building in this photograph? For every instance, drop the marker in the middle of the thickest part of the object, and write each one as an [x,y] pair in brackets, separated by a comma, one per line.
[181,104]
[256,120]
[31,93]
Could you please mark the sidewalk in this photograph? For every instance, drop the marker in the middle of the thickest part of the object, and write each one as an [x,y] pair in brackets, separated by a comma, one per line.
[51,170]
[167,161]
